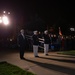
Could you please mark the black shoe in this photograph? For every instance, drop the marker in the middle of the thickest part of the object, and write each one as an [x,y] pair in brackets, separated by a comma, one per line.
[23,58]
[46,54]
[36,56]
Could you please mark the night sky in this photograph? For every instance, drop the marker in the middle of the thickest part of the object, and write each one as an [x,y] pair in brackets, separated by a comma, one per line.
[51,12]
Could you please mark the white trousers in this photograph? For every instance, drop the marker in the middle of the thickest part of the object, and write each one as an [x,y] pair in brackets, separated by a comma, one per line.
[35,50]
[46,48]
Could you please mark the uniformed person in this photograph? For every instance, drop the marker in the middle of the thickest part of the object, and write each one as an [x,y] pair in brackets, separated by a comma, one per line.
[46,42]
[35,43]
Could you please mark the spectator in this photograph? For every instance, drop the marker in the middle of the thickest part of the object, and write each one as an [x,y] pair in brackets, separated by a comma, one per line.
[22,43]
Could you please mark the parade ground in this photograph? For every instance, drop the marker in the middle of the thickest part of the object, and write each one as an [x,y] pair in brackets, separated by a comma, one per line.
[53,64]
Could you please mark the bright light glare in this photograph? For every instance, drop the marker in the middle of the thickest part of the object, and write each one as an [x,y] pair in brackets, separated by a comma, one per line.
[4,11]
[8,12]
[0,21]
[5,20]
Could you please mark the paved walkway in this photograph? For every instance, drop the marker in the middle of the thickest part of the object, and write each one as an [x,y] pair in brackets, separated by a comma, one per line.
[54,64]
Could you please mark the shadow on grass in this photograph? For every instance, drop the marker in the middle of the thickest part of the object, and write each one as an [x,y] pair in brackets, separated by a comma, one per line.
[62,69]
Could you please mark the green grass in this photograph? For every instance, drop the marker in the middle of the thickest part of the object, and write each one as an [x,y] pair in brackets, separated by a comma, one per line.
[9,69]
[71,52]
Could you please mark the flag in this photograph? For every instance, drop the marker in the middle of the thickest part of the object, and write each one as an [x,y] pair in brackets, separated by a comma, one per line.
[60,33]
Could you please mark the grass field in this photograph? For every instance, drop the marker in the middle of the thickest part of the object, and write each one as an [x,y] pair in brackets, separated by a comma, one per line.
[71,52]
[9,69]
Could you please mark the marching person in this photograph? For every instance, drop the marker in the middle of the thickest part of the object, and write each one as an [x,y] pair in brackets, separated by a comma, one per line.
[46,42]
[35,43]
[22,43]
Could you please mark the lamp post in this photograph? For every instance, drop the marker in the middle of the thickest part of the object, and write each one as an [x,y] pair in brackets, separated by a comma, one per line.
[5,30]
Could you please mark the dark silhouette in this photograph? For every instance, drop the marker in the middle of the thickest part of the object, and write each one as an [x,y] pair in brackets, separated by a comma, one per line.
[22,43]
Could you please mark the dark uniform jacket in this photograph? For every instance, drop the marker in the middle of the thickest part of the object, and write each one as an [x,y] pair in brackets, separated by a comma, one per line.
[35,40]
[46,39]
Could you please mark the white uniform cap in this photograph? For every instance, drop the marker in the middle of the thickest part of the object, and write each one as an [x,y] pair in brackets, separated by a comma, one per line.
[35,32]
[46,31]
